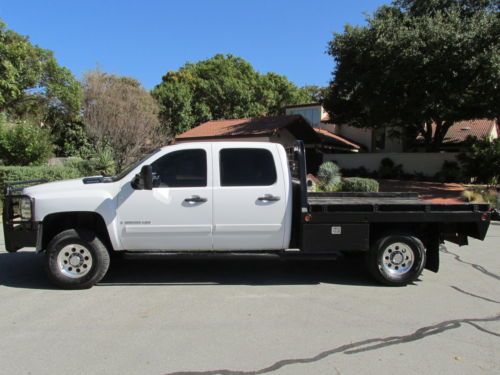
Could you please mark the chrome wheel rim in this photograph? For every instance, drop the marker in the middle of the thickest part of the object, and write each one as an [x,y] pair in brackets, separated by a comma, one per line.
[74,261]
[397,258]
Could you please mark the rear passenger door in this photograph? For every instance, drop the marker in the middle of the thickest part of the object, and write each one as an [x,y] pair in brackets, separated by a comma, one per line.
[249,197]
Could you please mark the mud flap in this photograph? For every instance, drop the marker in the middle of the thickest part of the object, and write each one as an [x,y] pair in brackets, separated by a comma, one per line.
[432,247]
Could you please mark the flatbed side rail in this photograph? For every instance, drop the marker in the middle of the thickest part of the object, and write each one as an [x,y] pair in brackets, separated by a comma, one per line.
[350,194]
[367,207]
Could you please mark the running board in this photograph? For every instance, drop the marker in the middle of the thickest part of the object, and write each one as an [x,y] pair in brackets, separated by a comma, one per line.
[235,254]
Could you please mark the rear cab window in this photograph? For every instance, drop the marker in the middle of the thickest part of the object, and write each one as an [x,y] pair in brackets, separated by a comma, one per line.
[247,167]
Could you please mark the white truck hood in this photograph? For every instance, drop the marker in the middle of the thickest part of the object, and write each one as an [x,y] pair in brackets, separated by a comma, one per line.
[73,195]
[58,187]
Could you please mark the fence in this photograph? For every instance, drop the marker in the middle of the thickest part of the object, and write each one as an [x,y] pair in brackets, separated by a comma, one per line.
[413,162]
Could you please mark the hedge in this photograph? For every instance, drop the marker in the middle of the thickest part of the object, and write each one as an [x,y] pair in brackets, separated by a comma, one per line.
[47,172]
[358,184]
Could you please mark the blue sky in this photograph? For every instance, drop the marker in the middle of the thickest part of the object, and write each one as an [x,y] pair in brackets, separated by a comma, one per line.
[145,39]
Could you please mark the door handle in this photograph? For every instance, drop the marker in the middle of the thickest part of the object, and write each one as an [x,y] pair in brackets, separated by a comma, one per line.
[195,199]
[269,198]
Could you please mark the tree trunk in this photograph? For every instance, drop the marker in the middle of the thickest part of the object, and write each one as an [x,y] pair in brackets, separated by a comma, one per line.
[442,128]
[427,133]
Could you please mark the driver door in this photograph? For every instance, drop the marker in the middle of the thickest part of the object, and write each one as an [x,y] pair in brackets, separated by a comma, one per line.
[175,215]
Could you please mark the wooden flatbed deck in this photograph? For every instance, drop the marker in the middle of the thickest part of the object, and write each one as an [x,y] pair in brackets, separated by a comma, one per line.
[383,202]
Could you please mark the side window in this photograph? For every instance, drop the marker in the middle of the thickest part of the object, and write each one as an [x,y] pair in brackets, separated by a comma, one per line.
[246,167]
[185,168]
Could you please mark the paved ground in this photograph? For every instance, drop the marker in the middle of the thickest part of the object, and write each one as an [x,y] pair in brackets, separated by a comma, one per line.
[254,317]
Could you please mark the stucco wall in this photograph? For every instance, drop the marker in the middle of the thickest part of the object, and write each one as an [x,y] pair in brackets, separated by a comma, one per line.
[494,133]
[412,162]
[312,114]
[361,136]
[393,144]
[283,137]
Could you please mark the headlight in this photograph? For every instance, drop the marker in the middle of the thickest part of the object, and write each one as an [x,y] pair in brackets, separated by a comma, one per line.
[25,208]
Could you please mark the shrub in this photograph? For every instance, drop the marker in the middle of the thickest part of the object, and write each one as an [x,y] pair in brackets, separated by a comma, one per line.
[358,172]
[450,172]
[24,143]
[329,177]
[473,197]
[47,172]
[483,194]
[481,162]
[104,163]
[389,170]
[70,139]
[83,166]
[358,184]
[101,163]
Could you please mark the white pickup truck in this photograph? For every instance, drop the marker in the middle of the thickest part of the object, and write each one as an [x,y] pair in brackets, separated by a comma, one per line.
[226,197]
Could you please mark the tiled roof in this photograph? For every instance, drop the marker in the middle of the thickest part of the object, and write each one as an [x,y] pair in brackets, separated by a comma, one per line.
[461,130]
[255,126]
[479,128]
[335,138]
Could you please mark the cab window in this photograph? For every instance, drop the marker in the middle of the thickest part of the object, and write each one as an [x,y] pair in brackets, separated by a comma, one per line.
[183,168]
[247,167]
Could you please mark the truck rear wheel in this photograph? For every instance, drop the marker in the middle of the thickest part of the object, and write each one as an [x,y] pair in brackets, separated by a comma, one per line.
[76,259]
[397,260]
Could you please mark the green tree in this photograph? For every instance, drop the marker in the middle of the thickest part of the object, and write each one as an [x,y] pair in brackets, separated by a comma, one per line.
[223,86]
[416,63]
[71,138]
[314,92]
[24,143]
[481,161]
[33,86]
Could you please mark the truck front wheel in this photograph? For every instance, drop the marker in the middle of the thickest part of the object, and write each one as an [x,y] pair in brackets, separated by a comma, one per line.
[76,259]
[397,260]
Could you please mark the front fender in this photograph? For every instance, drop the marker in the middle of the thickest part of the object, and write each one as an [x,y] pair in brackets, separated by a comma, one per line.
[103,204]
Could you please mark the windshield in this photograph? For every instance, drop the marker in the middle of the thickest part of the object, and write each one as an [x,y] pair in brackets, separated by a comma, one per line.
[132,166]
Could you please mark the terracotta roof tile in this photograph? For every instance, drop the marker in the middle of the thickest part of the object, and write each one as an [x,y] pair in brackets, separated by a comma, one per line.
[255,126]
[241,126]
[479,128]
[336,138]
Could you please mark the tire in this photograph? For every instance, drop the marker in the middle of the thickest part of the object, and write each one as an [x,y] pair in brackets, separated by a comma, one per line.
[397,260]
[76,259]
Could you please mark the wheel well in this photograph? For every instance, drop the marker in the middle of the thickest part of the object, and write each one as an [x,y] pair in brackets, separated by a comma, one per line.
[428,233]
[58,222]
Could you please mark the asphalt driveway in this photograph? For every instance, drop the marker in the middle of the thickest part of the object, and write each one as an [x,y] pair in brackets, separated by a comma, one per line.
[243,316]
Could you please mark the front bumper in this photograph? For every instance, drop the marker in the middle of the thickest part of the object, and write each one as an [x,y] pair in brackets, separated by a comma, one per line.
[19,235]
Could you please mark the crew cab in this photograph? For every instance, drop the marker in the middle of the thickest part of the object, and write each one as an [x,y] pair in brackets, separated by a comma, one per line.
[232,197]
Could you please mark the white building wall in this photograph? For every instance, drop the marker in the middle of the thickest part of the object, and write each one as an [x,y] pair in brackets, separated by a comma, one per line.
[413,162]
[283,137]
[393,144]
[312,114]
[494,133]
[361,136]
